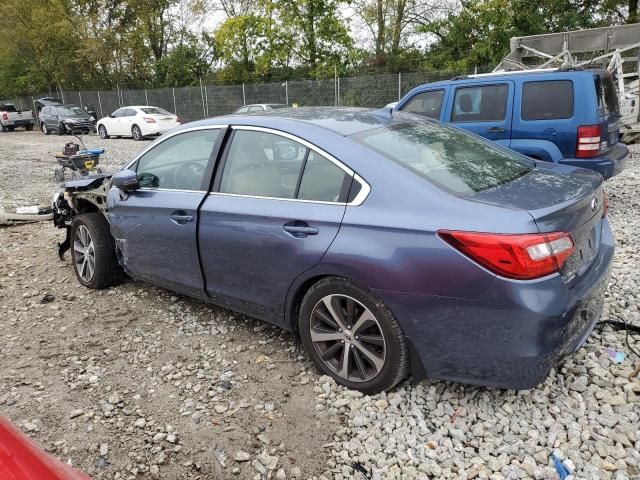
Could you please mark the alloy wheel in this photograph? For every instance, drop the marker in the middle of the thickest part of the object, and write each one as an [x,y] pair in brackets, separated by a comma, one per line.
[102,131]
[137,134]
[85,255]
[44,128]
[348,338]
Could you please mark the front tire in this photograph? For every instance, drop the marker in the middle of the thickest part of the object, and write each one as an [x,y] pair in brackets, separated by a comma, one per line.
[102,131]
[352,336]
[93,251]
[44,128]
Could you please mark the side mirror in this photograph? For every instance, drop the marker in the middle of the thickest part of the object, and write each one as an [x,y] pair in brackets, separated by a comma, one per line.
[125,180]
[112,116]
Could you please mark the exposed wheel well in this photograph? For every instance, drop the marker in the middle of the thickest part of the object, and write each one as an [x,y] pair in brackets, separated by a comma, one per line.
[85,206]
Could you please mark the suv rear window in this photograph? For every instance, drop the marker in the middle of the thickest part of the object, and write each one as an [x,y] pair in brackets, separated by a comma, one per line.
[607,95]
[480,104]
[7,108]
[446,156]
[547,100]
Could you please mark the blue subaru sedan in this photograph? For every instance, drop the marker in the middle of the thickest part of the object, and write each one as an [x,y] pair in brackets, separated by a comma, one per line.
[389,243]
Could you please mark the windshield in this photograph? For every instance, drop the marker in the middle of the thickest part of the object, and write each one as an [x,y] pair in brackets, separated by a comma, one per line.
[447,157]
[155,111]
[70,111]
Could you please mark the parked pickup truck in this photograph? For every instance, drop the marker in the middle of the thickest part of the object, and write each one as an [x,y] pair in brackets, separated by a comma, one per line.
[11,117]
[570,117]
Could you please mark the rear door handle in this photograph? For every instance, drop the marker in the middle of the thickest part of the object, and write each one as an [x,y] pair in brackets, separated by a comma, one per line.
[496,130]
[300,229]
[180,217]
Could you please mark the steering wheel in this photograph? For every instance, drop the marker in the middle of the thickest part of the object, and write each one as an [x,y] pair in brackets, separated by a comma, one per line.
[188,176]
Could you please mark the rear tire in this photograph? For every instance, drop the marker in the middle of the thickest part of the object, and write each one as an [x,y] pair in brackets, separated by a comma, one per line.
[136,133]
[364,349]
[28,128]
[11,129]
[93,251]
[102,131]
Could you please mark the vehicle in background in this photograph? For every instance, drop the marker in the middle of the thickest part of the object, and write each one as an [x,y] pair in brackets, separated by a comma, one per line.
[360,231]
[11,117]
[40,103]
[569,117]
[260,107]
[63,119]
[137,122]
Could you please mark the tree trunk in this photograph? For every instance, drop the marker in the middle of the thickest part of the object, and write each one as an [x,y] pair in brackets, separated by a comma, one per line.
[380,37]
[633,11]
[397,26]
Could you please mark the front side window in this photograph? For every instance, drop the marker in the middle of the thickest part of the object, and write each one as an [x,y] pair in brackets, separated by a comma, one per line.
[179,162]
[547,100]
[480,104]
[447,157]
[269,165]
[427,104]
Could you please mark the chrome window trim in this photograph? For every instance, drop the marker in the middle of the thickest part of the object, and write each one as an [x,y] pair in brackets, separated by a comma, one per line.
[364,186]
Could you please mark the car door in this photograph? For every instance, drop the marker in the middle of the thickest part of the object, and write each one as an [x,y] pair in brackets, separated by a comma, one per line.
[155,226]
[51,119]
[127,120]
[277,205]
[114,123]
[484,109]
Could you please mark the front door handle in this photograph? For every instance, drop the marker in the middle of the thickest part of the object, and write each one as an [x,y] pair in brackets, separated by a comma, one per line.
[300,229]
[496,130]
[180,217]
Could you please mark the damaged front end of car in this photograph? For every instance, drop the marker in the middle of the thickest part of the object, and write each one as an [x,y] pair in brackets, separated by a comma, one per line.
[84,195]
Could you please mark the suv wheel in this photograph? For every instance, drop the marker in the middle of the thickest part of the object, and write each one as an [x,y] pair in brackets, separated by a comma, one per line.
[93,251]
[44,128]
[352,336]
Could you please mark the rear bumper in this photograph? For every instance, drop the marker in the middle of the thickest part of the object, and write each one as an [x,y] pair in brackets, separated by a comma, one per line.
[17,123]
[514,335]
[608,165]
[154,129]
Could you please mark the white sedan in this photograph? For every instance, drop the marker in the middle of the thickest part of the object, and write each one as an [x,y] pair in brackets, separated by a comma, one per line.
[137,122]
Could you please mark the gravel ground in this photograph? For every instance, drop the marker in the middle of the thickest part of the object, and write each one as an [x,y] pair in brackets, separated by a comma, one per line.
[136,382]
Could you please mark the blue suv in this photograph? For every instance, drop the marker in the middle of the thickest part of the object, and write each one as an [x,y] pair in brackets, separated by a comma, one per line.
[569,117]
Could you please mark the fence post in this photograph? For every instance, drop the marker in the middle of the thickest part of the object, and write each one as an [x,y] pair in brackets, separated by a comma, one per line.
[100,105]
[335,85]
[338,98]
[286,91]
[61,93]
[146,99]
[206,99]
[399,85]
[204,110]
[175,109]
[244,97]
[80,98]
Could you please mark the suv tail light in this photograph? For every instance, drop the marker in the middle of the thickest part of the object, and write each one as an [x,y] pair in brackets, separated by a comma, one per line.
[588,141]
[149,120]
[520,256]
[5,116]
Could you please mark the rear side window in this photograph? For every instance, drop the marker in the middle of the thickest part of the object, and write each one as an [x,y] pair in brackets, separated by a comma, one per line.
[7,108]
[547,100]
[428,104]
[480,104]
[322,180]
[447,157]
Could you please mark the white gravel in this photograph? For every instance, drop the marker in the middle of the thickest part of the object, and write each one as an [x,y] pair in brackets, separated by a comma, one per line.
[137,382]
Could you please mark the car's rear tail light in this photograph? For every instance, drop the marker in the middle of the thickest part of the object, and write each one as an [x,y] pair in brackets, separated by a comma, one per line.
[605,203]
[520,256]
[178,120]
[149,119]
[5,116]
[588,141]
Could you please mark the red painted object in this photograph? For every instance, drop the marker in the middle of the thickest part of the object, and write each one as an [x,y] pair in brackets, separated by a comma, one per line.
[22,459]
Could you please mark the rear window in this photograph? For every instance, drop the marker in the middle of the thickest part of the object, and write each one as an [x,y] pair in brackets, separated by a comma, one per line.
[547,100]
[7,108]
[447,157]
[154,111]
[480,104]
[607,95]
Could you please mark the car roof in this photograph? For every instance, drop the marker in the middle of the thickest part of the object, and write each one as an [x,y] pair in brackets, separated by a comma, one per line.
[541,74]
[344,121]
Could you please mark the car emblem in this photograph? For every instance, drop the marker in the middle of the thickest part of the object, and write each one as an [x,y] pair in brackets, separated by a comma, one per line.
[594,204]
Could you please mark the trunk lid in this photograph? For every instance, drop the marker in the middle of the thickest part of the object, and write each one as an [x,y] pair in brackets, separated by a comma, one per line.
[558,202]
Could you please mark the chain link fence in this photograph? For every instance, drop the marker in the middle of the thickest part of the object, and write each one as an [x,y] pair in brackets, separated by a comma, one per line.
[194,103]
